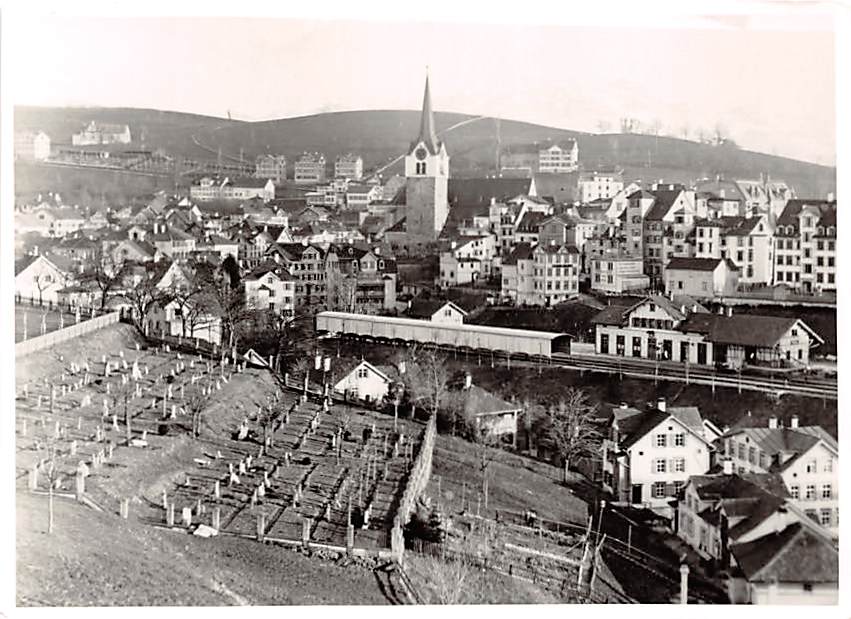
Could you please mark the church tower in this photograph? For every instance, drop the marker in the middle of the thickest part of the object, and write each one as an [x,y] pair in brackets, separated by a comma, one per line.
[426,180]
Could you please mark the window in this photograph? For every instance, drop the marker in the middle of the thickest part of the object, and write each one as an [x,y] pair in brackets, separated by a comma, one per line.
[741,451]
[826,491]
[679,465]
[659,490]
[812,466]
[825,517]
[679,439]
[752,454]
[795,491]
[660,466]
[828,465]
[661,440]
[811,492]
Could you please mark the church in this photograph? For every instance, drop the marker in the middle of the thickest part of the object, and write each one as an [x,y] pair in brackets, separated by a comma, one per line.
[426,180]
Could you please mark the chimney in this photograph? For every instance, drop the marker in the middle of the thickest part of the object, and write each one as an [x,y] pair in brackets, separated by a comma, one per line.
[468,380]
[721,311]
[493,201]
[793,423]
[662,405]
[728,466]
[772,422]
[377,251]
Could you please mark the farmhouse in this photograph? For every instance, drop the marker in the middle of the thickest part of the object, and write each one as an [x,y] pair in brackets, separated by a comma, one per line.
[39,278]
[368,382]
[701,277]
[435,310]
[492,416]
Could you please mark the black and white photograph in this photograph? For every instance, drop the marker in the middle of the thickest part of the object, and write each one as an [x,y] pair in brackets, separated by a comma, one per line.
[483,305]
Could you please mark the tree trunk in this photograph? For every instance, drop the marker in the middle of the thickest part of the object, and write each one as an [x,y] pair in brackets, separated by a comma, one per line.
[50,507]
[566,467]
[127,421]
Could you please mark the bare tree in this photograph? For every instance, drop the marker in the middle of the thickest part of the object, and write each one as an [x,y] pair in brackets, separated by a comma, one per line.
[448,581]
[42,281]
[143,294]
[569,427]
[342,291]
[603,126]
[48,450]
[106,273]
[197,403]
[426,380]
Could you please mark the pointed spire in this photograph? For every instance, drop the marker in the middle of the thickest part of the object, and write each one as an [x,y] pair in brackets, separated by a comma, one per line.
[427,132]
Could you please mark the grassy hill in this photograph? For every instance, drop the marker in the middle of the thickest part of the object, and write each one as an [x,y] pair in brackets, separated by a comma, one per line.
[381,135]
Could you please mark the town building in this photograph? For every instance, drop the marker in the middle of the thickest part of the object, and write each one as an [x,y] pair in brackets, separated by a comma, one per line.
[360,278]
[271,167]
[466,259]
[306,263]
[426,180]
[618,273]
[170,241]
[32,145]
[184,317]
[361,196]
[601,184]
[101,134]
[746,241]
[701,278]
[518,275]
[349,166]
[805,246]
[559,158]
[806,457]
[649,455]
[310,169]
[639,204]
[556,273]
[666,225]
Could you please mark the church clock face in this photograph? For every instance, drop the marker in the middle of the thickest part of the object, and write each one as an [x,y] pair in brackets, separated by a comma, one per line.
[421,153]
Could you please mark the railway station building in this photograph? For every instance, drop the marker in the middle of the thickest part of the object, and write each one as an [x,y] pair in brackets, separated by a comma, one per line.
[681,330]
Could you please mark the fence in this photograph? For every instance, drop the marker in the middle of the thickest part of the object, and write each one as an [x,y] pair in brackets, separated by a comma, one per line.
[417,480]
[57,337]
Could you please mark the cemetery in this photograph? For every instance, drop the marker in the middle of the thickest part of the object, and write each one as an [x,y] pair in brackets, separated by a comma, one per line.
[209,446]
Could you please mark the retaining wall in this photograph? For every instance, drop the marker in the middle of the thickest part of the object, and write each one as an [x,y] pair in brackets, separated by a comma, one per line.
[62,335]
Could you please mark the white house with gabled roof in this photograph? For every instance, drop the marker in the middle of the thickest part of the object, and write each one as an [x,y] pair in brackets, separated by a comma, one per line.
[366,381]
[650,454]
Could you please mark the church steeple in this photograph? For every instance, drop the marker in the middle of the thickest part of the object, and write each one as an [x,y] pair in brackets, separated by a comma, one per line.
[427,132]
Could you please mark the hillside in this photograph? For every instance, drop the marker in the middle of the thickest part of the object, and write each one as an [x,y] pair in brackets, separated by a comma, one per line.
[381,135]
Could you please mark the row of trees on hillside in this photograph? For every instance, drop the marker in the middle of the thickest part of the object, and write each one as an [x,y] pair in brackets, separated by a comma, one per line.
[718,135]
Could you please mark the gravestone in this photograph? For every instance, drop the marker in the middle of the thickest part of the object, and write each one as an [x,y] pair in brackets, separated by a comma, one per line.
[186,516]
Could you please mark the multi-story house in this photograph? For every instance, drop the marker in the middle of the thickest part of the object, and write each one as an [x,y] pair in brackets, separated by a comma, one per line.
[466,259]
[618,273]
[32,145]
[666,224]
[310,169]
[518,274]
[748,242]
[556,274]
[528,227]
[39,278]
[806,457]
[602,184]
[171,242]
[270,287]
[271,166]
[361,279]
[649,455]
[559,158]
[361,196]
[349,166]
[639,204]
[805,246]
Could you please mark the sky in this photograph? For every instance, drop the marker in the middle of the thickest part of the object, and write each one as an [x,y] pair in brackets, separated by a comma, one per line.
[769,83]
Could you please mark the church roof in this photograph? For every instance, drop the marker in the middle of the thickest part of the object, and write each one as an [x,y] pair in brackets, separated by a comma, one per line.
[428,135]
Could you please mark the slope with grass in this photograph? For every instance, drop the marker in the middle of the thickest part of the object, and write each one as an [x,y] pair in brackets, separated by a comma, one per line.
[381,135]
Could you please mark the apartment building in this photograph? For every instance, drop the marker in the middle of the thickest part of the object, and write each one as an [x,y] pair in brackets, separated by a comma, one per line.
[748,242]
[32,145]
[270,287]
[310,169]
[271,166]
[618,273]
[556,273]
[349,166]
[805,246]
[559,158]
[599,185]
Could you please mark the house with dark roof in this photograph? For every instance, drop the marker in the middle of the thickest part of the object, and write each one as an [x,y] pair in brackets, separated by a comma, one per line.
[719,509]
[680,329]
[518,269]
[40,277]
[805,246]
[791,566]
[702,278]
[805,457]
[490,415]
[666,225]
[435,310]
[649,454]
[369,382]
[270,287]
